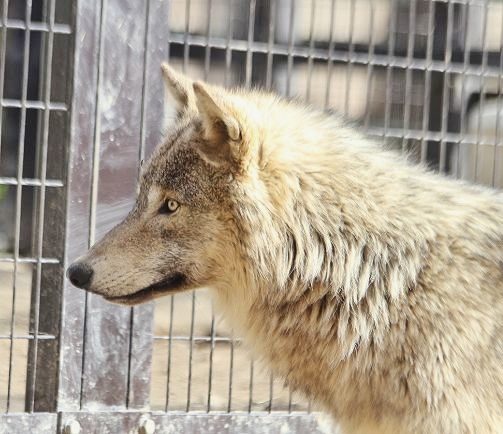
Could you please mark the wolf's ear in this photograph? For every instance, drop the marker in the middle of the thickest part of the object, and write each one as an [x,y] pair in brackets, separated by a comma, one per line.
[219,124]
[179,87]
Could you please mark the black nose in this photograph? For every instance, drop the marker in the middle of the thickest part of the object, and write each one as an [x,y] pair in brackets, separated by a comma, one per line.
[80,274]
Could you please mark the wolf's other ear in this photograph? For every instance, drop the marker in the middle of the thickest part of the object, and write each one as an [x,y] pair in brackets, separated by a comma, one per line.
[180,89]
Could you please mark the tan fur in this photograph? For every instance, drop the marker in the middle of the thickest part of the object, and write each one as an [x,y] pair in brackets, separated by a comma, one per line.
[371,285]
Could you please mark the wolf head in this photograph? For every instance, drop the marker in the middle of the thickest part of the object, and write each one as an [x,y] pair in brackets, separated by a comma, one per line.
[181,233]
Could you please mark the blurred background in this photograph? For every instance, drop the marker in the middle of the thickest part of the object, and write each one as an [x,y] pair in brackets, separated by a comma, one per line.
[82,104]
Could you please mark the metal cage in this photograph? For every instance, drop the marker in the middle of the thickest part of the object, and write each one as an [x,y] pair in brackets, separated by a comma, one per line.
[82,104]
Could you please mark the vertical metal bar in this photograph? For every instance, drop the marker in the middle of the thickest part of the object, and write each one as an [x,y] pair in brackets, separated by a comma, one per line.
[212,326]
[370,66]
[186,46]
[86,19]
[446,87]
[170,342]
[270,43]
[331,44]
[207,49]
[212,350]
[408,72]
[389,67]
[231,371]
[482,92]
[228,50]
[291,32]
[271,392]
[310,50]
[249,51]
[140,344]
[250,396]
[94,185]
[427,84]
[17,227]
[191,349]
[41,200]
[117,137]
[3,54]
[349,67]
[499,112]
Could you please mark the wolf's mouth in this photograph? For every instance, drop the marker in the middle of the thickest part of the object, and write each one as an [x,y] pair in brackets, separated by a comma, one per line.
[166,286]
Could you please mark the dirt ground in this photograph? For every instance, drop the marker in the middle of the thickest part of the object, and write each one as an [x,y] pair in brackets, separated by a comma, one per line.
[200,368]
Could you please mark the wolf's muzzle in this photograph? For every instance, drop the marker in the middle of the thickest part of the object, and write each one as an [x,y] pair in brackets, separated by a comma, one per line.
[80,274]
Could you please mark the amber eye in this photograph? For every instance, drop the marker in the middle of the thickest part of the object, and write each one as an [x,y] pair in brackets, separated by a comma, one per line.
[169,206]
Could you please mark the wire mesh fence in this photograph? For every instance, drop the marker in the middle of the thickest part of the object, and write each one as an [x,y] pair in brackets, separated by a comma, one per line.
[81,101]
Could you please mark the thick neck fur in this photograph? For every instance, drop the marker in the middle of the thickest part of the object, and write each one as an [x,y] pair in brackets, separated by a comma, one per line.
[339,241]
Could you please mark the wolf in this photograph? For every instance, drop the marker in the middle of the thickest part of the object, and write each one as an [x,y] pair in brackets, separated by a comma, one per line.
[369,283]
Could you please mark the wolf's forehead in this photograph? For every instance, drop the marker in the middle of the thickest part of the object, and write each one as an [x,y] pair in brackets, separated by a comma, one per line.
[181,171]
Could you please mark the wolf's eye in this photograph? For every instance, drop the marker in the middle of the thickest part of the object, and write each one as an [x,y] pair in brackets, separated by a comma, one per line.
[169,206]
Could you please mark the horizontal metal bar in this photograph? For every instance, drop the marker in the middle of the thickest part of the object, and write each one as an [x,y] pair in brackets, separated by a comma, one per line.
[324,54]
[402,133]
[479,3]
[33,104]
[197,339]
[28,337]
[30,182]
[43,423]
[61,29]
[195,422]
[27,260]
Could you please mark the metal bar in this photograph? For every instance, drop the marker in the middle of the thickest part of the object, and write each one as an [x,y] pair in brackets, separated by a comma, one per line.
[94,190]
[179,422]
[349,67]
[291,33]
[207,50]
[311,47]
[86,16]
[250,386]
[41,201]
[330,55]
[400,133]
[249,51]
[467,29]
[17,227]
[30,182]
[28,423]
[499,112]
[32,104]
[482,94]
[370,67]
[408,72]
[227,43]
[302,52]
[172,311]
[3,55]
[270,43]
[9,23]
[391,62]
[446,87]
[28,337]
[197,339]
[140,344]
[427,83]
[117,131]
[24,260]
[212,340]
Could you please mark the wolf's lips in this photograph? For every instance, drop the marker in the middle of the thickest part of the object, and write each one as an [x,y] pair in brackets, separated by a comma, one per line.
[171,284]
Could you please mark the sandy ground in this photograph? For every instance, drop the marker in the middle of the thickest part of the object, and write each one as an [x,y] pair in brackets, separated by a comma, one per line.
[191,371]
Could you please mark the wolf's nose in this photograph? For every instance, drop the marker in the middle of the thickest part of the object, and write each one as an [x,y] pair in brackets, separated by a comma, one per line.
[79,274]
